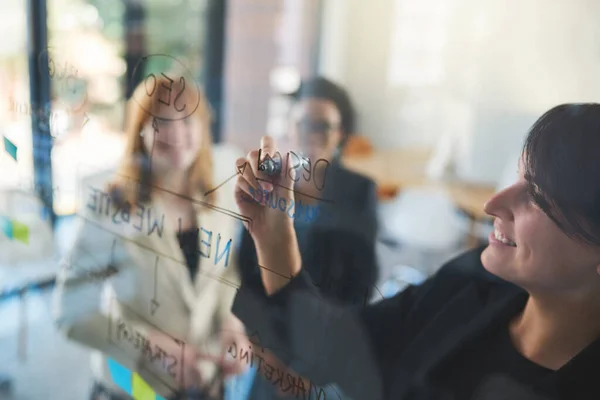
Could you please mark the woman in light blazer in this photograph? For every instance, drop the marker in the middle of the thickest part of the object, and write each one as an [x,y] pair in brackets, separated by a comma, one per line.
[152,274]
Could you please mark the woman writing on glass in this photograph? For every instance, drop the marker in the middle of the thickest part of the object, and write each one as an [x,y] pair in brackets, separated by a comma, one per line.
[516,319]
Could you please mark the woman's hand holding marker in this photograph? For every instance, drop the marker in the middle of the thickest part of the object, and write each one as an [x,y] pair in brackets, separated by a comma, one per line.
[272,231]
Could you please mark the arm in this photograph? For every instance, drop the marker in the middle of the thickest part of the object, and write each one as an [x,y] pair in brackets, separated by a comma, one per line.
[342,244]
[363,268]
[344,265]
[350,347]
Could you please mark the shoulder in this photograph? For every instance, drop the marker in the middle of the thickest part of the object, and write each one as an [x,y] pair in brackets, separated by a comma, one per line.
[352,179]
[350,189]
[459,272]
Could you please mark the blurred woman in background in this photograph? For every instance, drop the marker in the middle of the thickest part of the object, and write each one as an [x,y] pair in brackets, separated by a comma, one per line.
[159,253]
[334,213]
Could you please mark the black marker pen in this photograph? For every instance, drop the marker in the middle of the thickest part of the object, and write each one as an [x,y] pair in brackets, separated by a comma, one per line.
[273,167]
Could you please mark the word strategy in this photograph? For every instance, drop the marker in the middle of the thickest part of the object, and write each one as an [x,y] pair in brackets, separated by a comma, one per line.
[158,356]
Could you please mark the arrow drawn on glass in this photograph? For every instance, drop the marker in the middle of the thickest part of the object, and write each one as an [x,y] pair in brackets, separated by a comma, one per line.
[240,170]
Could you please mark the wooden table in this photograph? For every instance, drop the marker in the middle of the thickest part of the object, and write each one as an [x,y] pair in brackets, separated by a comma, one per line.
[402,168]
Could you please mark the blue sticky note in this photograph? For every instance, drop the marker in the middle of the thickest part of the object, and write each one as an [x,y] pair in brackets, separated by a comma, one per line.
[159,397]
[10,148]
[239,386]
[121,376]
[6,227]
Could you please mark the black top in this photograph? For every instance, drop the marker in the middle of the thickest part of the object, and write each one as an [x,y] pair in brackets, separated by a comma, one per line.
[491,354]
[402,348]
[188,241]
[336,238]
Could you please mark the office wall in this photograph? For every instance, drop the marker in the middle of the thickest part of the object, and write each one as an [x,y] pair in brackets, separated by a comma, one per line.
[504,64]
[260,36]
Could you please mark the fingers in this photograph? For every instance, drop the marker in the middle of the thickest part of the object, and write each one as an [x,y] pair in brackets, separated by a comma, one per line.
[267,145]
[267,149]
[246,180]
[291,173]
[232,368]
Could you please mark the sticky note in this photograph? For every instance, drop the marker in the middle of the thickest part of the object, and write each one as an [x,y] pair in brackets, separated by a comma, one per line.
[20,232]
[159,397]
[120,375]
[6,227]
[10,148]
[141,390]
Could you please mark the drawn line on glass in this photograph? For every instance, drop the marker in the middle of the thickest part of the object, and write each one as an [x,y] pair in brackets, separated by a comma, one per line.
[239,172]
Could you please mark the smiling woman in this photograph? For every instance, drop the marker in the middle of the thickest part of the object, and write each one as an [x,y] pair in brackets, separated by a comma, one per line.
[517,319]
[551,215]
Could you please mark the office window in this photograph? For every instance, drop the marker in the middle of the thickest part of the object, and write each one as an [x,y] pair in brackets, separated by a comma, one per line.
[417,42]
[15,120]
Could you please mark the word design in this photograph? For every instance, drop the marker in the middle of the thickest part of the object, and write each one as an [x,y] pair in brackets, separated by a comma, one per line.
[274,201]
[151,82]
[14,229]
[131,383]
[303,162]
[275,375]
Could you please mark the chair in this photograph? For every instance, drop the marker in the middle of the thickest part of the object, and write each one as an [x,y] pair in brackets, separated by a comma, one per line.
[357,146]
[424,221]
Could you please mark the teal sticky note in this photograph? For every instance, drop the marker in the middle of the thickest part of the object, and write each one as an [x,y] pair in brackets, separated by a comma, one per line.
[6,227]
[10,148]
[120,375]
[158,397]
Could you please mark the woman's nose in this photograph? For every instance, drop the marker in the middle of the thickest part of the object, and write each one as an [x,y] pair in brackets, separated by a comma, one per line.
[499,205]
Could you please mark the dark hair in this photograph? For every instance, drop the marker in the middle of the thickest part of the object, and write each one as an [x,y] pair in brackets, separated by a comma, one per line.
[562,166]
[323,88]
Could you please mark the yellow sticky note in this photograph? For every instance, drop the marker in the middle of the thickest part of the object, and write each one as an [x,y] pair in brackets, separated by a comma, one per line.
[20,232]
[140,390]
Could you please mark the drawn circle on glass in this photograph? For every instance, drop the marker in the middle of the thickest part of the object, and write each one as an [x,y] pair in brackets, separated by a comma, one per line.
[173,102]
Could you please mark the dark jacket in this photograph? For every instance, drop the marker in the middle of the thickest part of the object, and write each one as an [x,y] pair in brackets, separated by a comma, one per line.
[391,350]
[336,237]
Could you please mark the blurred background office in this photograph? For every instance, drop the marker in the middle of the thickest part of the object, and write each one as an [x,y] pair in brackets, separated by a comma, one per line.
[444,92]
